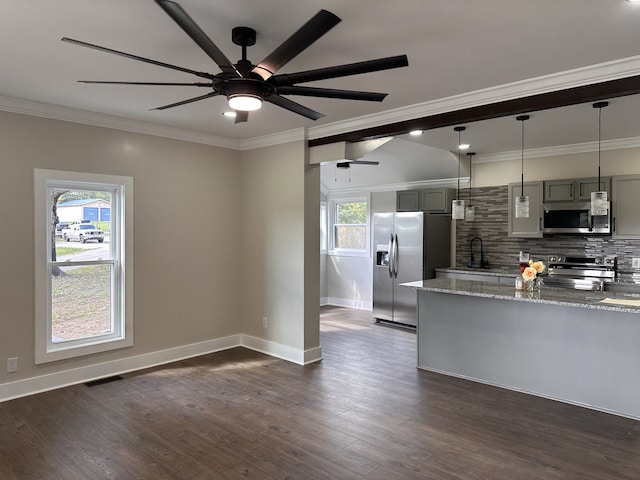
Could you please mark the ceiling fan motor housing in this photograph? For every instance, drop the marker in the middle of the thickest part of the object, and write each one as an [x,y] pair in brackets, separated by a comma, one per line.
[234,87]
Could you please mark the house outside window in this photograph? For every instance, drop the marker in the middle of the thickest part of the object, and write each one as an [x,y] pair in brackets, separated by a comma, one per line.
[84,266]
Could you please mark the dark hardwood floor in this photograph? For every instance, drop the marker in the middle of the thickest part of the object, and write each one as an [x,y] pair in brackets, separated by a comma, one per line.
[364,412]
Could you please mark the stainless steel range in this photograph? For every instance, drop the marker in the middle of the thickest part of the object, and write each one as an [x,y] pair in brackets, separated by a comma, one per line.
[581,273]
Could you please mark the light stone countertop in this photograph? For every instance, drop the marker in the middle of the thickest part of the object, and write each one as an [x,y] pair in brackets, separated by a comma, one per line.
[551,295]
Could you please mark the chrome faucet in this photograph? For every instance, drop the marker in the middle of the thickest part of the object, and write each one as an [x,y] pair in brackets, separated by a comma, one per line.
[483,263]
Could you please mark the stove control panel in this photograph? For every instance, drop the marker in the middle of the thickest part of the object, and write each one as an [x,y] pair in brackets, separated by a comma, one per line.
[602,261]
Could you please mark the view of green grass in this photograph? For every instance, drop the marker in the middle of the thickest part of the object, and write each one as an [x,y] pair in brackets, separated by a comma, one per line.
[60,251]
[81,299]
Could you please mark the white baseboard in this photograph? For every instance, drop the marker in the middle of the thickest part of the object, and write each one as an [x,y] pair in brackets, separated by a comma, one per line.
[51,381]
[301,357]
[349,303]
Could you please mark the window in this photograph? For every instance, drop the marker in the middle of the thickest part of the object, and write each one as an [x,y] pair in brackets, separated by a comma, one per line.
[323,228]
[84,258]
[350,226]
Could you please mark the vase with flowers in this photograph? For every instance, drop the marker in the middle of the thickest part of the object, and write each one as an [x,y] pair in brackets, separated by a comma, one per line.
[531,275]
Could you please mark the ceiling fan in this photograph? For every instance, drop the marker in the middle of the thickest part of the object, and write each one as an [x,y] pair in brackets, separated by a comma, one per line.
[245,85]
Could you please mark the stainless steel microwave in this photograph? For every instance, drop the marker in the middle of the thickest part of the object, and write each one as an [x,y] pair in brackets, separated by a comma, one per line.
[574,218]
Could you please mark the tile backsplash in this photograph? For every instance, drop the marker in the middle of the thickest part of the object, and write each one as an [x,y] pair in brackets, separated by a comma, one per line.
[491,225]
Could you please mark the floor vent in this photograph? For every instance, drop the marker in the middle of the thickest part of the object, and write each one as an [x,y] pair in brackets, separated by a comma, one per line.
[100,381]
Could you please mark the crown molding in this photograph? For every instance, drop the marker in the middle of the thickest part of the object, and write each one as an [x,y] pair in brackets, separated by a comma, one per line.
[440,182]
[575,148]
[613,70]
[85,117]
[616,69]
[274,139]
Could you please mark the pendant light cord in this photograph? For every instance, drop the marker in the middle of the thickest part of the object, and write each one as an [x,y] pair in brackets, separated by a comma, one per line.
[458,189]
[599,141]
[470,155]
[522,160]
[459,130]
[599,106]
[522,119]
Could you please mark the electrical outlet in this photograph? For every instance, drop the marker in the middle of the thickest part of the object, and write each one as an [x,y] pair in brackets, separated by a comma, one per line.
[12,364]
[265,322]
[636,262]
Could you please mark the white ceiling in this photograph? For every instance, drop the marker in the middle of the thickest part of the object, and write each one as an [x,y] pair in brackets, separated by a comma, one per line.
[454,47]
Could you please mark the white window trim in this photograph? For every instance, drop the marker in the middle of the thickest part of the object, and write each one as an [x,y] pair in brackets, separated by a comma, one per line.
[45,350]
[348,252]
[324,229]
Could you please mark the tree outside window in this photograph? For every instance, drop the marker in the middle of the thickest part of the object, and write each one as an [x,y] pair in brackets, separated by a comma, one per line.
[350,227]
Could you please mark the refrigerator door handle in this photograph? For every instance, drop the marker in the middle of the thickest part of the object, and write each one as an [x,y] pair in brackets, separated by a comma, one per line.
[395,256]
[390,260]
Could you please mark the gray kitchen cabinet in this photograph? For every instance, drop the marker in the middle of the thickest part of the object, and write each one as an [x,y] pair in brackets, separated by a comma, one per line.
[432,200]
[436,200]
[585,186]
[569,190]
[626,206]
[526,227]
[559,190]
[408,201]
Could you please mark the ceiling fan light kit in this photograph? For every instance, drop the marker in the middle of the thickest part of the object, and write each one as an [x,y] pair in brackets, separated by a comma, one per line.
[245,85]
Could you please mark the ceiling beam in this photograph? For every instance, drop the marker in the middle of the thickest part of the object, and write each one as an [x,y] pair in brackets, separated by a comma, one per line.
[571,96]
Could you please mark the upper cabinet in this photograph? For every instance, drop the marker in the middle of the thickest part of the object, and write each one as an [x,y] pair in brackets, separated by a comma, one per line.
[570,190]
[625,206]
[530,227]
[432,200]
[408,201]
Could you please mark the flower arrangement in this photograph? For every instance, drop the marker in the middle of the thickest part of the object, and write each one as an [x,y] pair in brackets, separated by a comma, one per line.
[532,272]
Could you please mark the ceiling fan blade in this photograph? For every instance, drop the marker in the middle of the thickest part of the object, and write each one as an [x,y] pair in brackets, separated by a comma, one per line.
[167,84]
[192,29]
[332,93]
[136,57]
[340,71]
[293,107]
[184,102]
[316,27]
[241,116]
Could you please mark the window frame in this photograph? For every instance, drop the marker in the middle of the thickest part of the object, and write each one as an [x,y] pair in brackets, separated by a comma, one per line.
[121,261]
[324,228]
[333,209]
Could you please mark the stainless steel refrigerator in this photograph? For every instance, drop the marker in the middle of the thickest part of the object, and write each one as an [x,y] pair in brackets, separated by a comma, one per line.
[408,246]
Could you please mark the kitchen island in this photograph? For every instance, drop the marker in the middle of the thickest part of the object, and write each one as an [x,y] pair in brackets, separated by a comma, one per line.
[575,346]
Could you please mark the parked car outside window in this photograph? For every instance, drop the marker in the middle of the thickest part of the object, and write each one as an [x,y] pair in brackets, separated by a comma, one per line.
[83,232]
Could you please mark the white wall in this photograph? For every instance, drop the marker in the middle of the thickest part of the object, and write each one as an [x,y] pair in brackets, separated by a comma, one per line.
[221,239]
[279,281]
[186,285]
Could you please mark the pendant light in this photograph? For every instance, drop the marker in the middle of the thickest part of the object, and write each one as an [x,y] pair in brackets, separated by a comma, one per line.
[470,211]
[522,202]
[457,206]
[599,203]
